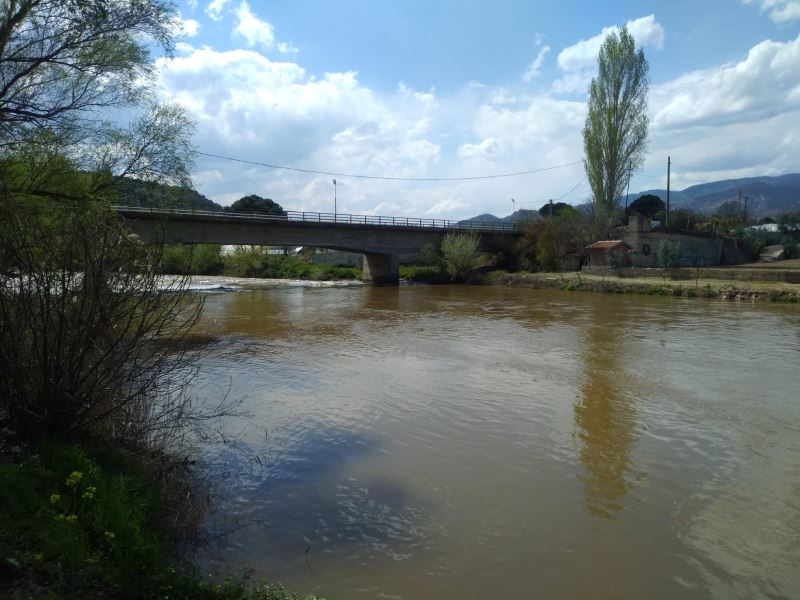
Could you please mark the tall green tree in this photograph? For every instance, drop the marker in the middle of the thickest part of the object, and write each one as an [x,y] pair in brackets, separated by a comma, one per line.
[65,65]
[615,132]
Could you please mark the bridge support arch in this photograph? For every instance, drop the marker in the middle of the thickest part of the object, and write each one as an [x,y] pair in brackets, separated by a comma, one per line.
[381,269]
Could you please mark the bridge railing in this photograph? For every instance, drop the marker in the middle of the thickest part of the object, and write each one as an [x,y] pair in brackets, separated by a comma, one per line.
[332,218]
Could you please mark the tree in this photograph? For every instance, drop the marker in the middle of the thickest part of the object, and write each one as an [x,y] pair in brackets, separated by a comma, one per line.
[728,210]
[554,209]
[615,132]
[668,256]
[90,345]
[646,205]
[256,204]
[459,251]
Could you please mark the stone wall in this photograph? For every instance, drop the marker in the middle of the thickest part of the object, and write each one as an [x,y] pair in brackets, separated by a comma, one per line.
[694,249]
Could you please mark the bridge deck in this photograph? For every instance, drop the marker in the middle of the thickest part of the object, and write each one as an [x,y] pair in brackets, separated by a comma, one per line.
[338,219]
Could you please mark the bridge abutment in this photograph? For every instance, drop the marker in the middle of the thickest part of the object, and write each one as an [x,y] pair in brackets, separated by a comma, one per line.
[382,269]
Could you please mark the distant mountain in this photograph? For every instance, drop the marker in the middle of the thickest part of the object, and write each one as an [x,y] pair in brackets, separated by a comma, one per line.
[518,215]
[484,218]
[134,192]
[766,196]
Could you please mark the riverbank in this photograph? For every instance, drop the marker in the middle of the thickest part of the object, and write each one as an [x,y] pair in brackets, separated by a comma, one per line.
[719,289]
[91,522]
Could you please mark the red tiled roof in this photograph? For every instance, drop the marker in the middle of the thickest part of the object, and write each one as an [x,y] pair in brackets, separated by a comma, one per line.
[606,245]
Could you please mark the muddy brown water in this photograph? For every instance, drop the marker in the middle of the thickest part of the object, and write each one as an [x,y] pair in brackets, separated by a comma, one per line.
[477,442]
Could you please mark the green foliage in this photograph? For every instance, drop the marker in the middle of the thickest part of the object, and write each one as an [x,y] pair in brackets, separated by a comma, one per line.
[88,524]
[754,241]
[185,259]
[81,302]
[791,246]
[254,261]
[728,211]
[429,256]
[682,218]
[554,209]
[459,251]
[135,192]
[786,220]
[547,241]
[523,217]
[647,205]
[245,261]
[256,204]
[423,274]
[668,256]
[291,267]
[615,132]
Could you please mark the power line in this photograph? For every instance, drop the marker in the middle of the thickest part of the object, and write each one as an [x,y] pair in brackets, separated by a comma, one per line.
[572,190]
[383,177]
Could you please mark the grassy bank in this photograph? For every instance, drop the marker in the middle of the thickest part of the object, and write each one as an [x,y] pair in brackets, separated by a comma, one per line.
[652,286]
[90,523]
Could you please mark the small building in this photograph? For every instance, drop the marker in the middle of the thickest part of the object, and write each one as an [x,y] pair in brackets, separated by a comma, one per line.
[609,253]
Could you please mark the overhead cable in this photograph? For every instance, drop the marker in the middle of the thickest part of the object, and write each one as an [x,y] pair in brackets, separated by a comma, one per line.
[385,177]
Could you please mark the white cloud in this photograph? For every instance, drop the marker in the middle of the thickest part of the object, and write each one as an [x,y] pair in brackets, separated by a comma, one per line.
[578,62]
[765,83]
[192,4]
[215,8]
[780,11]
[286,48]
[257,32]
[731,120]
[186,27]
[484,150]
[535,68]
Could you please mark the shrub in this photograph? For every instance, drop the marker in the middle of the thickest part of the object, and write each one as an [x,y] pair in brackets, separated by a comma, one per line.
[668,256]
[791,246]
[91,524]
[185,259]
[459,251]
[754,242]
[90,343]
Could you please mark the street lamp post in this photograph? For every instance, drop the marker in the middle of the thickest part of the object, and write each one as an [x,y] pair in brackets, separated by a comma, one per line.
[334,200]
[513,206]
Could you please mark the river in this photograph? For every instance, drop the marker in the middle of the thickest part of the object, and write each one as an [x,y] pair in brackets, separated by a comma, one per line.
[481,442]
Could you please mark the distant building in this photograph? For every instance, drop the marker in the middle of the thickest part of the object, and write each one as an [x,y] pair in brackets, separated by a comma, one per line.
[609,253]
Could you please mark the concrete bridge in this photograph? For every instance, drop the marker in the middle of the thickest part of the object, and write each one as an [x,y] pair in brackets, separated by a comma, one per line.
[384,241]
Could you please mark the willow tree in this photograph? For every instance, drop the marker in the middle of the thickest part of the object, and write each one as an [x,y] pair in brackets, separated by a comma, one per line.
[615,133]
[89,343]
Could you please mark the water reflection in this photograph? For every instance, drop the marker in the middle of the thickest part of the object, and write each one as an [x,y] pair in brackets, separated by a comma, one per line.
[423,442]
[604,417]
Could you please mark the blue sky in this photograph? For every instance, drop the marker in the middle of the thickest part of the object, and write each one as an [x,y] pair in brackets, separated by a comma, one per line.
[452,89]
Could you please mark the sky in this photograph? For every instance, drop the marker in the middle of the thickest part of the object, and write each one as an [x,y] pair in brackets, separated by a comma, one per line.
[454,88]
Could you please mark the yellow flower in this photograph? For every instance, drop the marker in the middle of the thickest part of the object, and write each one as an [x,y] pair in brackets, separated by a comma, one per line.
[74,478]
[60,518]
[54,498]
[110,535]
[89,493]
[71,518]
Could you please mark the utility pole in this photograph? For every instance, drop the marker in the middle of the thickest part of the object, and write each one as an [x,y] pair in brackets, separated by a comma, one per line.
[334,200]
[551,208]
[513,206]
[739,207]
[669,165]
[745,210]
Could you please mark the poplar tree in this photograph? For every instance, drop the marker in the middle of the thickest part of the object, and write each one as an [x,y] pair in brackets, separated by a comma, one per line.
[615,133]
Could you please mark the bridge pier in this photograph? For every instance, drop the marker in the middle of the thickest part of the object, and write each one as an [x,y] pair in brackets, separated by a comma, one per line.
[381,269]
